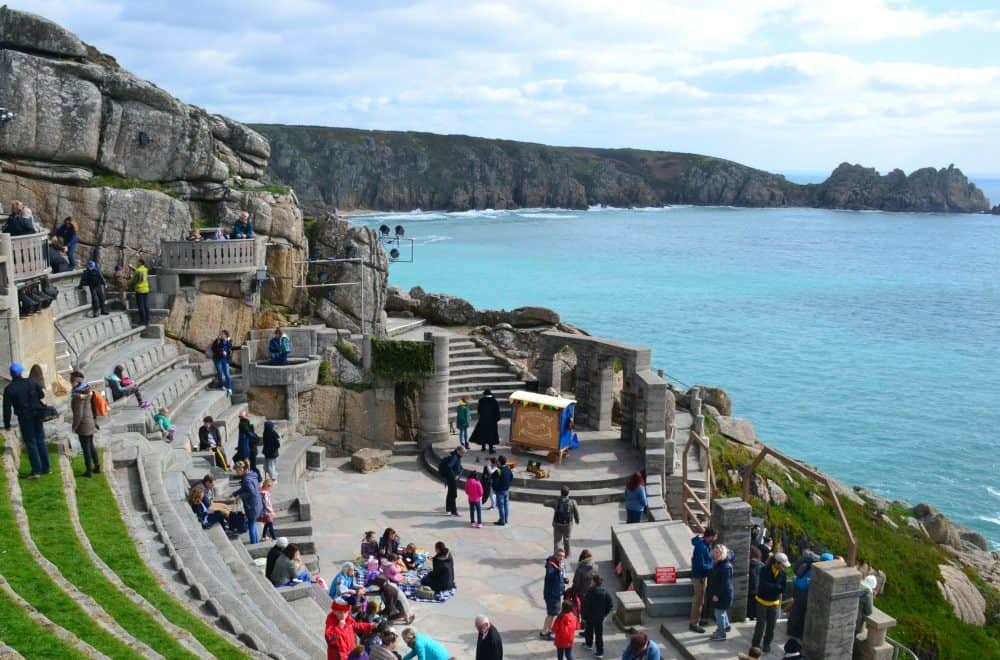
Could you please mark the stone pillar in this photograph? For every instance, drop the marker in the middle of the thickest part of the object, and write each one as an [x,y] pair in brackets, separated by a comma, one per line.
[366,353]
[874,646]
[10,329]
[602,393]
[731,519]
[545,367]
[292,405]
[833,610]
[434,396]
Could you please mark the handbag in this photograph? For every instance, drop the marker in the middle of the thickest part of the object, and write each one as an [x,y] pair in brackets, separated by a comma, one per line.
[49,413]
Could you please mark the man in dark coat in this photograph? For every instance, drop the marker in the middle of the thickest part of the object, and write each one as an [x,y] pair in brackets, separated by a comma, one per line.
[451,470]
[23,397]
[488,416]
[93,279]
[596,607]
[489,646]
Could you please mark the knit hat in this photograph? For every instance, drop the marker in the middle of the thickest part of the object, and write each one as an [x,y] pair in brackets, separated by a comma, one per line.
[782,558]
[340,605]
[282,542]
[870,582]
[16,369]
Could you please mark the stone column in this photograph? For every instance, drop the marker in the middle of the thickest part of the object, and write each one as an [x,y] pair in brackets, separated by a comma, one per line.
[434,395]
[292,405]
[833,610]
[366,353]
[731,519]
[602,393]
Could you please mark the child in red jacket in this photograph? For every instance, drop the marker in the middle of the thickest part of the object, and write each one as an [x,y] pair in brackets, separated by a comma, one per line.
[564,628]
[474,491]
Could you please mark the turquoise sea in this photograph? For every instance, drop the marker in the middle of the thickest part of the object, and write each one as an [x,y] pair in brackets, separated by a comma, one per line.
[865,343]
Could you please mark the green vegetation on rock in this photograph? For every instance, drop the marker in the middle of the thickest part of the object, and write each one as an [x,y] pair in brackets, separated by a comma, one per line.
[349,351]
[52,531]
[123,183]
[111,541]
[926,622]
[402,361]
[325,374]
[273,188]
[33,584]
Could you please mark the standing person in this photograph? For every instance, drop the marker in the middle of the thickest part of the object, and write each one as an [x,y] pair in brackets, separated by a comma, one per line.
[770,587]
[487,419]
[450,468]
[423,647]
[67,233]
[755,566]
[84,422]
[272,442]
[267,511]
[563,517]
[597,605]
[474,491]
[462,422]
[721,590]
[584,574]
[635,498]
[866,602]
[502,479]
[209,439]
[640,648]
[342,630]
[564,629]
[93,279]
[701,566]
[243,227]
[121,283]
[222,352]
[24,397]
[279,347]
[249,492]
[800,590]
[140,286]
[555,586]
[244,439]
[489,645]
[486,478]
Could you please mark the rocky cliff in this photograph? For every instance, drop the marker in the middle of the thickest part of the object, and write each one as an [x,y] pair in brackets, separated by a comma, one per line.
[129,161]
[386,170]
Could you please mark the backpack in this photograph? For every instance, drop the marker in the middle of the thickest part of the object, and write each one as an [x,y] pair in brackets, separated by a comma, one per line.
[563,515]
[444,467]
[99,404]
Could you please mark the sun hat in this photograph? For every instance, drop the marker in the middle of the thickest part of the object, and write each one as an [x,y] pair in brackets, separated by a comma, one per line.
[782,559]
[282,542]
[870,582]
[340,605]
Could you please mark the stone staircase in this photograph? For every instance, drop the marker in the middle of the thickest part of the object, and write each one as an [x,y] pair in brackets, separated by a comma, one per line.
[696,473]
[471,370]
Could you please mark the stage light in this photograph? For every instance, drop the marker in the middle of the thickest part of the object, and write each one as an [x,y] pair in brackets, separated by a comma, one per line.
[384,230]
[394,253]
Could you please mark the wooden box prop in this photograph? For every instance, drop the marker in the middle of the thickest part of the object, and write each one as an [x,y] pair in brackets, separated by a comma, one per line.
[541,422]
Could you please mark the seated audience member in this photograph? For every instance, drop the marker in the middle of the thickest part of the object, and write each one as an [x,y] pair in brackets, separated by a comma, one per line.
[389,543]
[369,546]
[397,607]
[272,555]
[122,385]
[442,575]
[345,585]
[207,518]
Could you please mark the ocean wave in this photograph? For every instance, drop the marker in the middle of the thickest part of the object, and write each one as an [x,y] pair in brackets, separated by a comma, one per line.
[411,215]
[546,215]
[990,519]
[432,238]
[993,491]
[597,208]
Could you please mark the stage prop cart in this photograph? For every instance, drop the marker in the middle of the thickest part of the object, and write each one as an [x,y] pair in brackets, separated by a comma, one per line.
[542,423]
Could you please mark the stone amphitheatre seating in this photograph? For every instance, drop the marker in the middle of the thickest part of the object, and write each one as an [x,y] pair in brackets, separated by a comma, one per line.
[211,574]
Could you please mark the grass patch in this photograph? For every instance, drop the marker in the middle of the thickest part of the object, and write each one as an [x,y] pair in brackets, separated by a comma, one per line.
[29,638]
[53,533]
[112,543]
[33,584]
[325,376]
[124,183]
[349,351]
[925,621]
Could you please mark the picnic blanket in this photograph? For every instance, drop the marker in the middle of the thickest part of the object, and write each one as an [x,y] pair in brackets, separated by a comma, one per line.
[411,583]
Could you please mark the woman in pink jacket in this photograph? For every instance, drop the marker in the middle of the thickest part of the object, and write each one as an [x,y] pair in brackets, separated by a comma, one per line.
[474,491]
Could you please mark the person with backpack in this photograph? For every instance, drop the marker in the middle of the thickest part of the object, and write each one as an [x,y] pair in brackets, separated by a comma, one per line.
[222,352]
[140,286]
[280,346]
[23,397]
[462,422]
[597,605]
[93,279]
[565,514]
[552,593]
[272,442]
[502,479]
[800,590]
[84,421]
[450,469]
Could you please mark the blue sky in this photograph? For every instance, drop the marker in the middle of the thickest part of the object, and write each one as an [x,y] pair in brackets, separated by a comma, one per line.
[786,85]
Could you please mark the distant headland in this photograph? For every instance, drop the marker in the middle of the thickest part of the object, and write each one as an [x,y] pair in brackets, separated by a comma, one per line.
[351,169]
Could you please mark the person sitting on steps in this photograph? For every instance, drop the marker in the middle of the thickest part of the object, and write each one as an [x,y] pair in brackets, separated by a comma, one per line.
[121,385]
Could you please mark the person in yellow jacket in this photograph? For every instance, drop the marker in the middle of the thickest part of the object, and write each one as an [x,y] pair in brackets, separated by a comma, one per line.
[140,286]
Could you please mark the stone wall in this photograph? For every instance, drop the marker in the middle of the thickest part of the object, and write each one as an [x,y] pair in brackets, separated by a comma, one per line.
[345,420]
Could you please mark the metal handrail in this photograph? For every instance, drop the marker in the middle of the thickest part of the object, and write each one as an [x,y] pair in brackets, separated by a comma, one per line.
[75,362]
[899,650]
[852,544]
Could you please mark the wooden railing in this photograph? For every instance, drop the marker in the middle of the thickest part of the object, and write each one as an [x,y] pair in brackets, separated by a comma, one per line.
[852,545]
[30,255]
[687,492]
[195,256]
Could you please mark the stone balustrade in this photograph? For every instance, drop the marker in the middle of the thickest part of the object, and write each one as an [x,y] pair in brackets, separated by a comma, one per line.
[30,256]
[193,257]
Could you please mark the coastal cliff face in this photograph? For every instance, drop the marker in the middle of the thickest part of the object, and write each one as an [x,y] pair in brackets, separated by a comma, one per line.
[346,169]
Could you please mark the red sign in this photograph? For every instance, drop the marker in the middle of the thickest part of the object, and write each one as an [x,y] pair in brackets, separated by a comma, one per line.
[666,574]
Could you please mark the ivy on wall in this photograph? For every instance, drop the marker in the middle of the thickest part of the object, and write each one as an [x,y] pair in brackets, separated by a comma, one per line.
[402,361]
